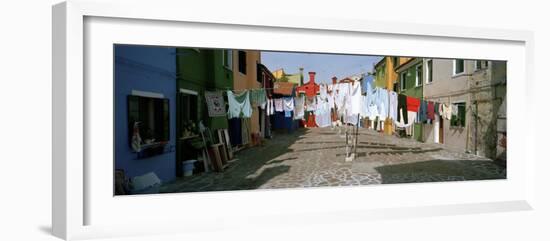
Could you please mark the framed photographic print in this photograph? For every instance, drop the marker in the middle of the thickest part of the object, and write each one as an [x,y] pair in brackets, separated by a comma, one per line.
[200,122]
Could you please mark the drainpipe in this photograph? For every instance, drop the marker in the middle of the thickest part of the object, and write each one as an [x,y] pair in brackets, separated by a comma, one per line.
[475,127]
[388,125]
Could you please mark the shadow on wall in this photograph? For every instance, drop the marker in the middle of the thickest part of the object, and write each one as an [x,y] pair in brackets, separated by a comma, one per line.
[441,171]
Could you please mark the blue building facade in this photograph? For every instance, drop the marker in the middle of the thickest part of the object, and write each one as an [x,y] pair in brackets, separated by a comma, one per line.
[150,72]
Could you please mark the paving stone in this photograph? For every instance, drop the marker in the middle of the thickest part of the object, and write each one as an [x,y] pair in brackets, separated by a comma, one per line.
[316,158]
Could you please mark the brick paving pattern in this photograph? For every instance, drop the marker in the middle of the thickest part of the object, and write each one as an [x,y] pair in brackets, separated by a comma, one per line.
[316,158]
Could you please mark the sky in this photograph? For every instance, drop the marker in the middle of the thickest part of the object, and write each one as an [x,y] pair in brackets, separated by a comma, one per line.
[325,65]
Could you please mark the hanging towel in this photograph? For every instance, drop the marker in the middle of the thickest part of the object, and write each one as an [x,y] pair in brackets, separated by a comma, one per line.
[278,104]
[393,105]
[403,123]
[343,95]
[239,105]
[413,104]
[422,111]
[322,112]
[365,110]
[330,100]
[382,101]
[288,104]
[355,98]
[270,109]
[454,109]
[431,112]
[311,104]
[447,111]
[257,97]
[436,108]
[299,107]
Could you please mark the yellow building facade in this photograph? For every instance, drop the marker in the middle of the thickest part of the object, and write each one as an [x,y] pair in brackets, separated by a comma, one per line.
[387,78]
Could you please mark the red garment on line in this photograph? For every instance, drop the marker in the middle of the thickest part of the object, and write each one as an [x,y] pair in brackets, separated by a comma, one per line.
[413,104]
[431,109]
[311,121]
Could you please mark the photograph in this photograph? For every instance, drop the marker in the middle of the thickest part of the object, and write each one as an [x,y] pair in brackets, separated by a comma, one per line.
[192,119]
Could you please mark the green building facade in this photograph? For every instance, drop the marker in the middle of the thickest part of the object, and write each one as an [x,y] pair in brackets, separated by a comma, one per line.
[380,68]
[200,70]
[410,86]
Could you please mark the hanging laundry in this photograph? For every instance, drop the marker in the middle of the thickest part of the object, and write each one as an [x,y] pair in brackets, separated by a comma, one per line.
[412,118]
[382,102]
[446,111]
[355,98]
[422,111]
[393,105]
[322,90]
[322,112]
[402,108]
[431,110]
[437,108]
[402,123]
[454,109]
[299,107]
[311,103]
[373,112]
[331,100]
[215,103]
[245,130]
[365,110]
[257,97]
[278,104]
[344,91]
[239,105]
[288,113]
[270,108]
[235,133]
[288,103]
[367,84]
[413,104]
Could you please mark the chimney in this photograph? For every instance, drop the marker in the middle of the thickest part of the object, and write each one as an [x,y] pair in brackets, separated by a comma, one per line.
[334,79]
[312,76]
[301,76]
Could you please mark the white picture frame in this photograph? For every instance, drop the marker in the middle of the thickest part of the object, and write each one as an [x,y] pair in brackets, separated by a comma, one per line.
[76,199]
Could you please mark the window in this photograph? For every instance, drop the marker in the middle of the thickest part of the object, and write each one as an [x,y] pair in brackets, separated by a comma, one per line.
[480,64]
[458,66]
[242,62]
[458,118]
[403,80]
[429,71]
[419,75]
[228,58]
[189,108]
[152,118]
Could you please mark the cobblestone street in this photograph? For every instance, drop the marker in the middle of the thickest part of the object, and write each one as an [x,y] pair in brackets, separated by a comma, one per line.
[316,158]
